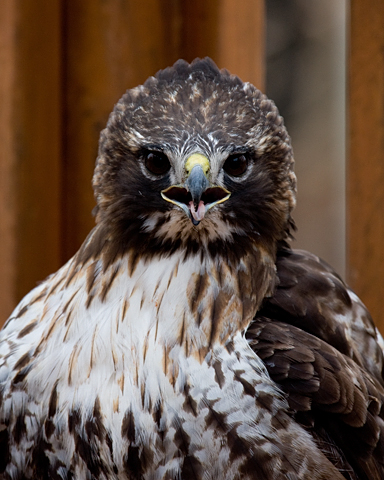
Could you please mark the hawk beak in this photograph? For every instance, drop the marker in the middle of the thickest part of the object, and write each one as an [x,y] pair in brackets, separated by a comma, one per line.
[197,196]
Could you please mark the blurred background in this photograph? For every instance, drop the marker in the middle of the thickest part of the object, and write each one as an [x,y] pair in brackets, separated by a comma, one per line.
[65,63]
[306,76]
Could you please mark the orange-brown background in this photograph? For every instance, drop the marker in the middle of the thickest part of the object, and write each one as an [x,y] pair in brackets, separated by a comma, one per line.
[63,64]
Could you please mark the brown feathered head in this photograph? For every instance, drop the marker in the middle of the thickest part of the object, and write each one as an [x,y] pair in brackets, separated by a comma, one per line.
[194,159]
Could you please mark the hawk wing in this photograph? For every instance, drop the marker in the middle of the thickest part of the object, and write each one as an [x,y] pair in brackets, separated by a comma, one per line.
[312,297]
[320,345]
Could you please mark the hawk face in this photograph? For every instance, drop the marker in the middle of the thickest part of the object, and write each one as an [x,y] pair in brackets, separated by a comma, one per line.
[197,160]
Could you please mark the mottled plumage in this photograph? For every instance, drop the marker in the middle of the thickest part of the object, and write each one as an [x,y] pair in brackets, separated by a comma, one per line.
[185,339]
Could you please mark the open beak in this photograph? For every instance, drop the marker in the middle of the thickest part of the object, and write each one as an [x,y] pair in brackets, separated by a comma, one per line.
[197,195]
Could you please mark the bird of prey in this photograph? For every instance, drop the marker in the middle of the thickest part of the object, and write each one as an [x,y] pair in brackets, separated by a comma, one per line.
[186,339]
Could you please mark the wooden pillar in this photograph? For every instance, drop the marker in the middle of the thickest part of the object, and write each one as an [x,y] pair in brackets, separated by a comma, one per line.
[30,123]
[366,155]
[230,32]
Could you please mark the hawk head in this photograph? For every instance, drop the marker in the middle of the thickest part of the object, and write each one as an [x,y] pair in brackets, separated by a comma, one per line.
[196,160]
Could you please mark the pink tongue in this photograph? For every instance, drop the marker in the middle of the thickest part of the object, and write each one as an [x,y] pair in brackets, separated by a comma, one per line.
[199,214]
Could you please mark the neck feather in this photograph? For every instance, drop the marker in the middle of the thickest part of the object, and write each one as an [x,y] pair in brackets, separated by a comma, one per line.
[195,302]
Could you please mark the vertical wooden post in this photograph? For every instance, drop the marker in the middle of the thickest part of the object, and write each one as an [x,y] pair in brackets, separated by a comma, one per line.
[230,32]
[29,146]
[7,187]
[366,155]
[241,39]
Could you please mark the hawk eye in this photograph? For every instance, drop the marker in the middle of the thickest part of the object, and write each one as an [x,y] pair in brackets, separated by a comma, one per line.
[236,164]
[157,162]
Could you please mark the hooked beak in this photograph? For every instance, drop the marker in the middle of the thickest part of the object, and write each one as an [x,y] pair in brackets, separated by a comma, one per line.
[197,195]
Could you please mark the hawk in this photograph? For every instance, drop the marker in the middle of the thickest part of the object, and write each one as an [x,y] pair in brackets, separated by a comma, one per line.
[186,339]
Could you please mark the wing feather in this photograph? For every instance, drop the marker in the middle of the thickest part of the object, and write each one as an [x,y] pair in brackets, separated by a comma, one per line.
[313,336]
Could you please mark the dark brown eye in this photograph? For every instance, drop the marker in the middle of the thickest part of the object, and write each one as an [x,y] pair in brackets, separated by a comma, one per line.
[157,163]
[236,164]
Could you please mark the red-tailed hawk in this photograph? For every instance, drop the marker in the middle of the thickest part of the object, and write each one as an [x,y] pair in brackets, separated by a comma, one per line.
[185,339]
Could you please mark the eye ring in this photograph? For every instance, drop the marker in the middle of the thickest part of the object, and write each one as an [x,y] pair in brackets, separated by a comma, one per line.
[236,164]
[156,162]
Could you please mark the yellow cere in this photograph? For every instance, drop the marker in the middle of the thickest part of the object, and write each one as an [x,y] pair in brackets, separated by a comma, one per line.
[197,159]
